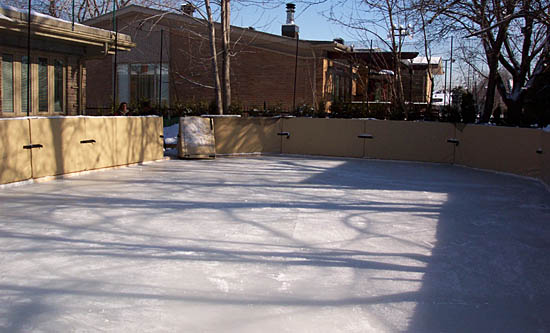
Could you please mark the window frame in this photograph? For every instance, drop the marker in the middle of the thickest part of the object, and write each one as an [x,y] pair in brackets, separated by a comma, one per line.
[18,85]
[13,81]
[165,82]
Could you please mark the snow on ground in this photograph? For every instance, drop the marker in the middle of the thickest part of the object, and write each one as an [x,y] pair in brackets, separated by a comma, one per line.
[276,244]
[171,134]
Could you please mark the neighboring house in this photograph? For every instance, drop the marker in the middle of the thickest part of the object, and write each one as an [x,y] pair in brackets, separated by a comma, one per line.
[417,78]
[58,51]
[262,66]
[267,70]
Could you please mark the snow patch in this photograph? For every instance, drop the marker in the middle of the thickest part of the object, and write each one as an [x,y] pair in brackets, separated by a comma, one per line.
[171,134]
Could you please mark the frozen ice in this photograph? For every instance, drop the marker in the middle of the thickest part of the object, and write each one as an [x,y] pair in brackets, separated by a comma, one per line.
[276,244]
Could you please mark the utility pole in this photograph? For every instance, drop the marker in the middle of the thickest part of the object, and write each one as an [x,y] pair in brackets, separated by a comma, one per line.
[160,68]
[451,73]
[29,60]
[445,84]
[115,64]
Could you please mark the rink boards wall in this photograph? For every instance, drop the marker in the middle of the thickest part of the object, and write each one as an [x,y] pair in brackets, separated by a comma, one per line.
[41,147]
[520,151]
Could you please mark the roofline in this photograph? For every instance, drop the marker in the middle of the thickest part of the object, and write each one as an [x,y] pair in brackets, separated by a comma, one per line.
[51,27]
[327,45]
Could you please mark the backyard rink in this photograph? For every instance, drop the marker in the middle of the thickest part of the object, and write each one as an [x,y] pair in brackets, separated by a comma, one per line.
[276,244]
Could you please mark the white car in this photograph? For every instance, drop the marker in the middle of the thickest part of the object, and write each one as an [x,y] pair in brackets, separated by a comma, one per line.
[441,98]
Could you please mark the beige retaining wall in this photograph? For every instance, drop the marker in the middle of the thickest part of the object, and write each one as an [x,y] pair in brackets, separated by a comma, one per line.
[138,139]
[247,135]
[410,141]
[62,150]
[101,153]
[15,162]
[545,157]
[73,144]
[326,137]
[505,149]
[512,150]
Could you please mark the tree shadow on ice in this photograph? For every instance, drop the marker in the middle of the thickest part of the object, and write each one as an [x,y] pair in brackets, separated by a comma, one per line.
[489,266]
[483,266]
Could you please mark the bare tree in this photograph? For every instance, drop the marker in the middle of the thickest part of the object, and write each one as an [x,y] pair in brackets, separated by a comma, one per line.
[387,21]
[512,33]
[226,53]
[214,53]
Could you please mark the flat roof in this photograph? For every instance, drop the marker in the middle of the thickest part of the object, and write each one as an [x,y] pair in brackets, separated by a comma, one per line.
[13,19]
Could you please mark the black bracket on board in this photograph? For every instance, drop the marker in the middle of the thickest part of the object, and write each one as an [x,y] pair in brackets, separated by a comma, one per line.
[37,145]
[365,136]
[539,151]
[88,141]
[287,134]
[453,141]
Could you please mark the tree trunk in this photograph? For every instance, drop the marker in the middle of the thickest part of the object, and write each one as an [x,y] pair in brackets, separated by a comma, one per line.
[213,52]
[226,54]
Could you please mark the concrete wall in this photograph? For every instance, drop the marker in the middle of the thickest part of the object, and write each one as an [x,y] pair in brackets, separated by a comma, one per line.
[247,135]
[15,161]
[72,144]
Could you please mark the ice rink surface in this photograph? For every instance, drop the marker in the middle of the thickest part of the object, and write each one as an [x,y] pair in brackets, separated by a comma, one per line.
[276,244]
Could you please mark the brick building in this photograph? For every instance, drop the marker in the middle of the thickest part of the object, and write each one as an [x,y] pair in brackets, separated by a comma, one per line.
[262,65]
[417,77]
[57,63]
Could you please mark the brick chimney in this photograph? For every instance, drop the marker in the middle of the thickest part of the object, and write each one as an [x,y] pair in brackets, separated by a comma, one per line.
[290,29]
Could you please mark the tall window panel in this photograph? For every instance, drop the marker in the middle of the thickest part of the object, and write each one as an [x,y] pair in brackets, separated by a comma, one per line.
[58,85]
[43,84]
[24,84]
[7,83]
[165,88]
[123,84]
[139,83]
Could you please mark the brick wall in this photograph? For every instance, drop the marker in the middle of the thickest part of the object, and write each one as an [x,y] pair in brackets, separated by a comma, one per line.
[419,83]
[72,86]
[99,91]
[259,73]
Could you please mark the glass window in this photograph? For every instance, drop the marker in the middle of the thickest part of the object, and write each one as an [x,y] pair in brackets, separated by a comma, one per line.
[165,88]
[140,83]
[24,83]
[7,83]
[43,84]
[58,85]
[123,94]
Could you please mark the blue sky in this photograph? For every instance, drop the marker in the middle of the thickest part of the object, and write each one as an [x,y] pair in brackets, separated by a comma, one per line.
[312,24]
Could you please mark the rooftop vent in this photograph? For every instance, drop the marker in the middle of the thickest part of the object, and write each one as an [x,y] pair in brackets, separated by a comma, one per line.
[188,9]
[290,29]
